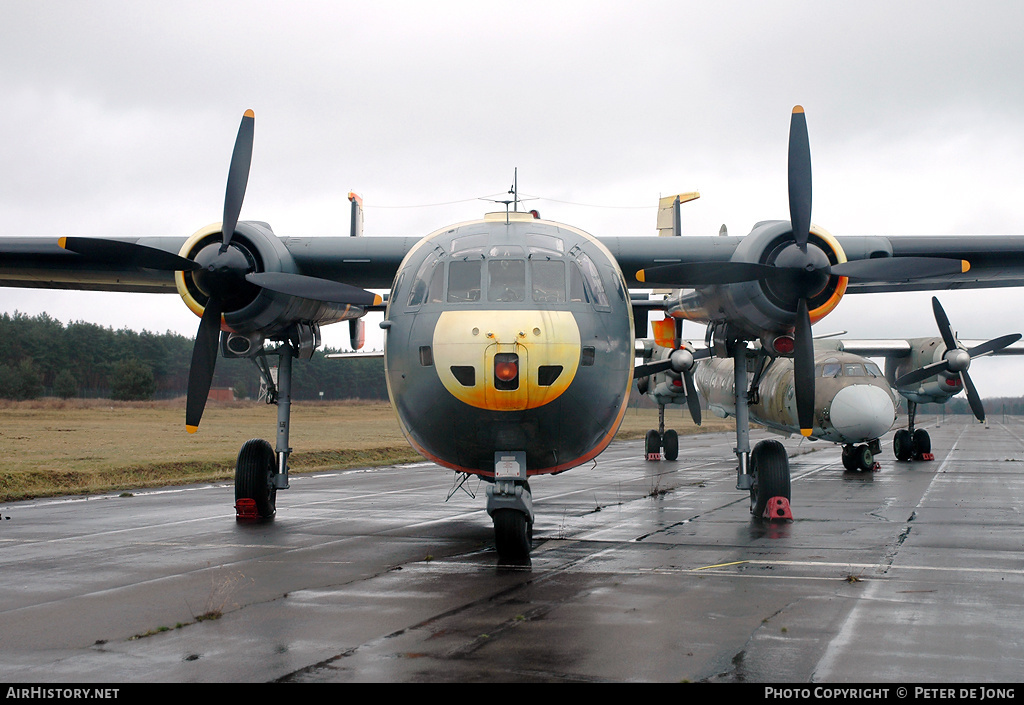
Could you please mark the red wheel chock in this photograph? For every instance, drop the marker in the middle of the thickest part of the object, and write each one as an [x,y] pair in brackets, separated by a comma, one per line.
[654,456]
[777,509]
[927,456]
[246,509]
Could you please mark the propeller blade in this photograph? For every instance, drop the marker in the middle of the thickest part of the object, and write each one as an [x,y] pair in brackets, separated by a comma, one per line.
[994,345]
[313,288]
[238,177]
[704,273]
[922,373]
[204,359]
[973,397]
[651,368]
[799,177]
[803,368]
[945,330]
[894,269]
[692,400]
[127,253]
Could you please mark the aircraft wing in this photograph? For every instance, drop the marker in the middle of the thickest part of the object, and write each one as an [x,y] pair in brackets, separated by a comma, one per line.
[996,260]
[40,263]
[372,262]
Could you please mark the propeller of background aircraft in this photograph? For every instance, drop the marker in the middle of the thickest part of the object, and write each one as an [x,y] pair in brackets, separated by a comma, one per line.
[224,273]
[956,359]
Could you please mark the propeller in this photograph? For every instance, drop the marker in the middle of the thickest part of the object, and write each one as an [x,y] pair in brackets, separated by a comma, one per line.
[956,360]
[222,272]
[799,272]
[681,361]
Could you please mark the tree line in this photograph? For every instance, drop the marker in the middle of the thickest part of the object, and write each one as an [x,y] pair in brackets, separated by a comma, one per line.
[40,356]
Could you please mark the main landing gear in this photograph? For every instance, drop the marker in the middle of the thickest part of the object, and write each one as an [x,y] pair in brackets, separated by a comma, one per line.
[910,443]
[861,458]
[662,439]
[765,471]
[260,470]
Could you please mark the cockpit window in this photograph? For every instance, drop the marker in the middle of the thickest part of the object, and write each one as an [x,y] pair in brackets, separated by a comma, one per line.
[831,368]
[507,280]
[548,281]
[429,281]
[470,245]
[506,251]
[873,370]
[593,279]
[854,369]
[464,280]
[550,245]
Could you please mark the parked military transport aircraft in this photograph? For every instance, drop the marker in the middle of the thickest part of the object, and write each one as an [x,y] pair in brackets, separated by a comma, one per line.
[855,402]
[509,340]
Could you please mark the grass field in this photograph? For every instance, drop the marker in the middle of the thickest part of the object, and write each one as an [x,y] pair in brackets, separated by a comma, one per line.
[51,447]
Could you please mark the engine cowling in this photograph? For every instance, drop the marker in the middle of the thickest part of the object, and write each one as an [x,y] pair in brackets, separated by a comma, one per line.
[764,308]
[936,389]
[251,310]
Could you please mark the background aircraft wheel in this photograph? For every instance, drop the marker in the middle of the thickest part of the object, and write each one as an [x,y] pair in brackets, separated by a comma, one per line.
[922,443]
[671,444]
[513,534]
[254,476]
[903,445]
[769,465]
[850,458]
[652,444]
[865,458]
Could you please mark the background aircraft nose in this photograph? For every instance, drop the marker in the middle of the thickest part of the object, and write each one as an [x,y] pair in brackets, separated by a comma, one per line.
[862,412]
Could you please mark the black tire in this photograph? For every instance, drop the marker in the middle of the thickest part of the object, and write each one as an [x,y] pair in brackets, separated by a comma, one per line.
[903,445]
[254,476]
[513,534]
[865,458]
[850,458]
[671,444]
[652,443]
[922,443]
[769,465]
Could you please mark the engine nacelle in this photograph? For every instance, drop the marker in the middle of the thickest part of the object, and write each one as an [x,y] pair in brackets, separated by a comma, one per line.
[933,390]
[251,312]
[757,308]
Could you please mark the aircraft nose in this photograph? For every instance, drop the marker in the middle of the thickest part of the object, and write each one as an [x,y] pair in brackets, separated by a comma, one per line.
[862,412]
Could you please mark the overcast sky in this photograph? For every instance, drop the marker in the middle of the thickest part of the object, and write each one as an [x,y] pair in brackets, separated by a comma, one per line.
[119,118]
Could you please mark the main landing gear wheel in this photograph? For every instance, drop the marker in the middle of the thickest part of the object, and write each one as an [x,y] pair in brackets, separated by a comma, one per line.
[769,467]
[255,489]
[903,445]
[513,534]
[858,458]
[670,443]
[922,444]
[655,442]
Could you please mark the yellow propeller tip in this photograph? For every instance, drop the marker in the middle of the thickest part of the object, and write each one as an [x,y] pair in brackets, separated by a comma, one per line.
[249,113]
[798,108]
[191,429]
[63,242]
[964,266]
[640,276]
[805,432]
[377,300]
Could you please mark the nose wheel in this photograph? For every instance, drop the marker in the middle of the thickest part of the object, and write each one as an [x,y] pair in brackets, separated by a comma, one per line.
[510,506]
[859,458]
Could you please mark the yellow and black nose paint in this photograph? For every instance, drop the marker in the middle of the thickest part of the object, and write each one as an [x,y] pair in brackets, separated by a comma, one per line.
[506,360]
